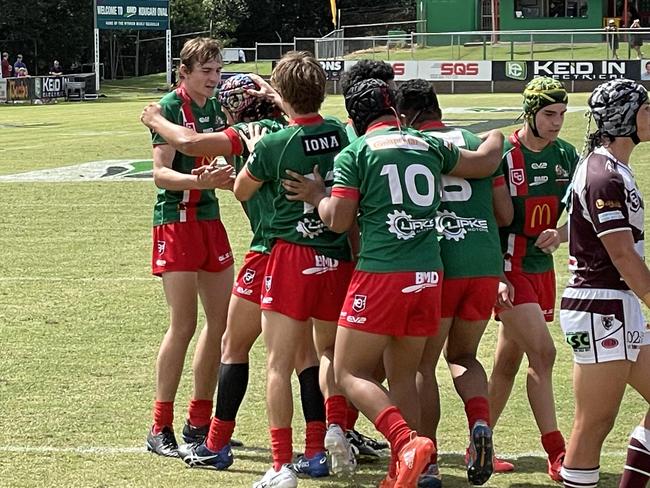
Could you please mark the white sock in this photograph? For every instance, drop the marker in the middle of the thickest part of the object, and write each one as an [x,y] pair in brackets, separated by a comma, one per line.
[580,478]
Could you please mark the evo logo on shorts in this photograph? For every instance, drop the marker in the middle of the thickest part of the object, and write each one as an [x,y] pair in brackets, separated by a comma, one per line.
[244,291]
[353,319]
[579,341]
[322,264]
[423,279]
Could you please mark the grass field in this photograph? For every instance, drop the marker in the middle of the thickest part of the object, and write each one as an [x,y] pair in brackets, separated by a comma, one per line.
[81,318]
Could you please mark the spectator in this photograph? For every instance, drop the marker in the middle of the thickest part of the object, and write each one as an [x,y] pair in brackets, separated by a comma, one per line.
[19,64]
[241,56]
[21,72]
[636,39]
[55,69]
[6,65]
[611,34]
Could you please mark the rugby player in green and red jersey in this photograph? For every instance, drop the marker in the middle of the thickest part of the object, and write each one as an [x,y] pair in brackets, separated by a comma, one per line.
[538,167]
[471,254]
[391,178]
[309,266]
[243,327]
[190,248]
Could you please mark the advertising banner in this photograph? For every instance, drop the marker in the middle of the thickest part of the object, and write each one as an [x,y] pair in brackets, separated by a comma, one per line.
[3,90]
[333,69]
[404,70]
[19,89]
[566,70]
[455,70]
[132,14]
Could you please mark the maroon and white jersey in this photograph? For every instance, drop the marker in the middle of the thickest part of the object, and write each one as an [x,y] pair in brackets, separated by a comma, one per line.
[604,199]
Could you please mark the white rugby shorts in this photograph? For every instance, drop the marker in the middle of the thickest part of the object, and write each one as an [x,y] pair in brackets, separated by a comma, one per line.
[603,325]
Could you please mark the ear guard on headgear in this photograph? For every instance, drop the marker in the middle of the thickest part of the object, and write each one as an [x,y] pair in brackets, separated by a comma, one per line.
[368,100]
[541,92]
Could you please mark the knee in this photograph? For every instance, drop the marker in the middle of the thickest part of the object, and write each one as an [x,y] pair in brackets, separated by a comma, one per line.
[182,332]
[506,365]
[543,359]
[594,426]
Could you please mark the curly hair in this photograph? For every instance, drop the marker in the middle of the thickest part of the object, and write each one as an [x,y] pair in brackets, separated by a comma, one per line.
[365,70]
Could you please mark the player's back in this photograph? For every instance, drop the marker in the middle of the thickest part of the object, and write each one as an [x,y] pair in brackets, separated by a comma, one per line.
[299,147]
[398,176]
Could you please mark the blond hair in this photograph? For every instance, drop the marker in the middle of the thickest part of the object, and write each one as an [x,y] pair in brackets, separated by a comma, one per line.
[300,79]
[200,50]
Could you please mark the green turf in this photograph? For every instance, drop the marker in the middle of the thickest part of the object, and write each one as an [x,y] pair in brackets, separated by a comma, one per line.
[81,319]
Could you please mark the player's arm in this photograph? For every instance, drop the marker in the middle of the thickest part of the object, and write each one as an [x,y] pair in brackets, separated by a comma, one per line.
[338,212]
[620,247]
[164,176]
[247,183]
[502,202]
[186,140]
[550,239]
[484,161]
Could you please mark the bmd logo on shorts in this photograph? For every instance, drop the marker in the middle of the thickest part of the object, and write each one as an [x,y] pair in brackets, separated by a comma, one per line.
[423,279]
[322,264]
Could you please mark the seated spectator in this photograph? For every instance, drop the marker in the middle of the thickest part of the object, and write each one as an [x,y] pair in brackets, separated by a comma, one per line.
[55,69]
[6,65]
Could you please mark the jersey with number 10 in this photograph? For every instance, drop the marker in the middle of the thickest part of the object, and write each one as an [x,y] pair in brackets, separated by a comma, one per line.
[396,177]
[538,182]
[469,246]
[300,146]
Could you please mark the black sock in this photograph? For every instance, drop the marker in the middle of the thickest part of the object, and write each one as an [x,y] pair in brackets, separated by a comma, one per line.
[233,381]
[313,403]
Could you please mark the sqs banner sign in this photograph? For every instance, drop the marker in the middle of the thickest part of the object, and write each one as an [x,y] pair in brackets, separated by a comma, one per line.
[565,70]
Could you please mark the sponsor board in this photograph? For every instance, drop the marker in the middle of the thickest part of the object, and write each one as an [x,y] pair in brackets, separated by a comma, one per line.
[404,70]
[566,70]
[3,90]
[455,70]
[333,68]
[19,89]
[132,14]
[644,69]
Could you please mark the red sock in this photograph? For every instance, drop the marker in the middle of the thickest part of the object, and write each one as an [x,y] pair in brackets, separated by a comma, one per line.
[219,434]
[314,438]
[434,454]
[199,412]
[391,423]
[281,446]
[554,445]
[163,416]
[351,416]
[335,410]
[477,408]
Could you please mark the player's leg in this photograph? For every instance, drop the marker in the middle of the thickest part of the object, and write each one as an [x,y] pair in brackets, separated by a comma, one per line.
[593,419]
[282,335]
[338,447]
[526,325]
[181,294]
[313,462]
[427,385]
[214,291]
[470,382]
[507,360]
[637,464]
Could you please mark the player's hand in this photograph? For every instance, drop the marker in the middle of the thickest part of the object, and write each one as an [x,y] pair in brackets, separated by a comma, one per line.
[548,241]
[505,294]
[149,114]
[265,91]
[220,177]
[310,189]
[252,136]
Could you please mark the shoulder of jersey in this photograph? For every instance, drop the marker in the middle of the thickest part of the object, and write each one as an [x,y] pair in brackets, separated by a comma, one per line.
[170,99]
[334,120]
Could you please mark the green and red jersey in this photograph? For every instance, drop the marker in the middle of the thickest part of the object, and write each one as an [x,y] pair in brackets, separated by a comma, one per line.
[188,205]
[537,181]
[396,177]
[257,207]
[469,244]
[303,144]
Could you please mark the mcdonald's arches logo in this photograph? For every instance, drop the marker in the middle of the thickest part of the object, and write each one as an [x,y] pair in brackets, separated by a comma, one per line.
[541,214]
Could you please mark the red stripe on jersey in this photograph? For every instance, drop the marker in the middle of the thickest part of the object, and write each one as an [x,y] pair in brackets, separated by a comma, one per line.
[431,124]
[519,251]
[250,175]
[382,125]
[236,147]
[346,192]
[313,120]
[190,123]
[498,181]
[516,168]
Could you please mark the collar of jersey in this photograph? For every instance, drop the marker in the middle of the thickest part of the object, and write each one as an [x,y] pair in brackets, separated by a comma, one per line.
[605,152]
[432,124]
[382,125]
[314,120]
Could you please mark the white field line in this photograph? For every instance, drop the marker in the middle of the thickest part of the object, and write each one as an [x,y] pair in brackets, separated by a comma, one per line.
[117,279]
[99,451]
